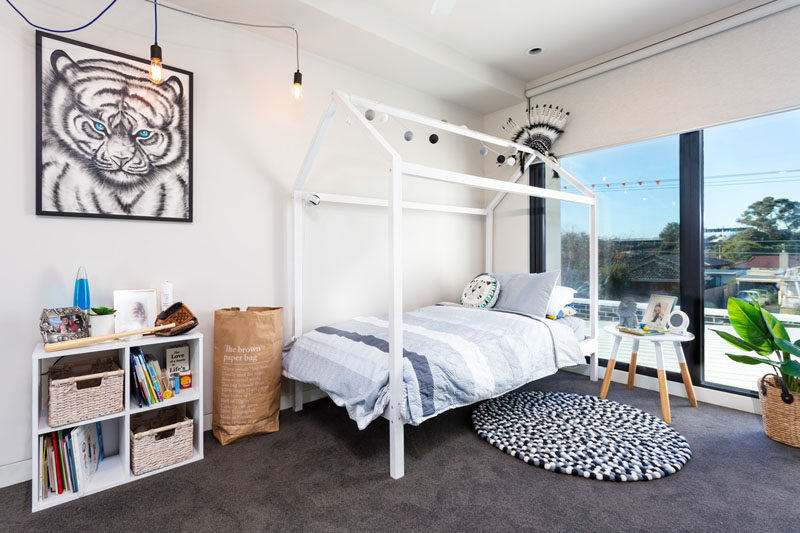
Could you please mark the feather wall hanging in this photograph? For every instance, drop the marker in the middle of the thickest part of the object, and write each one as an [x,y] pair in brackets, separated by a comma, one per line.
[545,124]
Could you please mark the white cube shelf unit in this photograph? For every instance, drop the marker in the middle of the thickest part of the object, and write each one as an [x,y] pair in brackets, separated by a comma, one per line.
[115,468]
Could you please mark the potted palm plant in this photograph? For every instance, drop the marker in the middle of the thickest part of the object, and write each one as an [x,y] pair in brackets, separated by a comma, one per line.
[779,391]
[101,321]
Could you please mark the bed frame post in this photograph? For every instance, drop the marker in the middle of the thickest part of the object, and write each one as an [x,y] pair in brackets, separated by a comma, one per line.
[297,252]
[297,309]
[396,447]
[488,265]
[593,284]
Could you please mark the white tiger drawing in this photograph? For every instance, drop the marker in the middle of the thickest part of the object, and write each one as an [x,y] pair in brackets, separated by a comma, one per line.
[113,142]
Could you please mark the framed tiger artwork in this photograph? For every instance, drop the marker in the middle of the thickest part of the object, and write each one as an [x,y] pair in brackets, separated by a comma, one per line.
[110,142]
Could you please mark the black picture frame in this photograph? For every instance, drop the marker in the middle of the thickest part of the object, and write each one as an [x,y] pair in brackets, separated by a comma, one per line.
[188,95]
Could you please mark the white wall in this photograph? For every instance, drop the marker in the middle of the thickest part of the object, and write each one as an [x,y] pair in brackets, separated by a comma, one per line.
[249,140]
[743,72]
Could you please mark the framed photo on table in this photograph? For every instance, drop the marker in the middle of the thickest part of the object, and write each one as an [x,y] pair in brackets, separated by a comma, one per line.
[658,310]
[63,324]
[136,309]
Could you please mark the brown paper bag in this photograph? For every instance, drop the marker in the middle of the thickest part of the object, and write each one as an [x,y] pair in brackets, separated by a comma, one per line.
[247,372]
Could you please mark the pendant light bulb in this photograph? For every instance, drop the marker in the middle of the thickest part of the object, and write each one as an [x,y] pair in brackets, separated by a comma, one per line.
[297,87]
[156,67]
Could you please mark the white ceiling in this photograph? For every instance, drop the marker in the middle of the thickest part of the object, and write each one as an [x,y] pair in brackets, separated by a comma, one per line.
[476,56]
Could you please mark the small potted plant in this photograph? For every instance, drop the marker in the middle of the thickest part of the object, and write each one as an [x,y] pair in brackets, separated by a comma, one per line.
[101,321]
[763,334]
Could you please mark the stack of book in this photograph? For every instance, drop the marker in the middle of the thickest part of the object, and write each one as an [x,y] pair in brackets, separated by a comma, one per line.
[68,458]
[150,383]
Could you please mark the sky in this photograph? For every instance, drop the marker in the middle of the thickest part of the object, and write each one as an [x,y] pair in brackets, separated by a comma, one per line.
[744,161]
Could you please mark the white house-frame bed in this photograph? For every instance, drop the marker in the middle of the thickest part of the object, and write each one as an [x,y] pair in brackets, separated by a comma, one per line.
[350,104]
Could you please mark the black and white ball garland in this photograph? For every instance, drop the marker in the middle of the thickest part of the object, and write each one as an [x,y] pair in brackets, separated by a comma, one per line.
[433,138]
[582,436]
[501,159]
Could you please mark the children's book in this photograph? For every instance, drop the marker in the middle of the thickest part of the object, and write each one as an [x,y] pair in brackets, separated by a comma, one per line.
[65,462]
[137,387]
[42,466]
[80,456]
[45,469]
[146,377]
[162,377]
[100,451]
[54,439]
[71,463]
[92,449]
[154,380]
[52,478]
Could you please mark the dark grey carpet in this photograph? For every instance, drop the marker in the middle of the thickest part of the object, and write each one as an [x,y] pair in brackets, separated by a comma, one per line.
[319,473]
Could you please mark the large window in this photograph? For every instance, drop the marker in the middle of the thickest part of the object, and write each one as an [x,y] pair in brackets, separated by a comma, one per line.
[752,232]
[745,178]
[639,252]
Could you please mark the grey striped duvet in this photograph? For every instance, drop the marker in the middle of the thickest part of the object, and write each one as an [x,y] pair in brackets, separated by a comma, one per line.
[453,356]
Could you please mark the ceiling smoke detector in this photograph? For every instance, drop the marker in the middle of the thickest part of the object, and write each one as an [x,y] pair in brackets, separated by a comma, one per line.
[536,50]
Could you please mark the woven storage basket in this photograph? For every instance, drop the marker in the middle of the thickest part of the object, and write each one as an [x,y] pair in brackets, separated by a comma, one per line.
[781,419]
[77,393]
[160,441]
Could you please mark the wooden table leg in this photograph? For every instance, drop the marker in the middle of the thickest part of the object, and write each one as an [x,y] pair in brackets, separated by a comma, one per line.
[632,366]
[662,384]
[687,379]
[612,360]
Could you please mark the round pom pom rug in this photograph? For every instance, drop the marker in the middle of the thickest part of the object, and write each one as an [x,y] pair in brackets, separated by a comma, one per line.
[582,436]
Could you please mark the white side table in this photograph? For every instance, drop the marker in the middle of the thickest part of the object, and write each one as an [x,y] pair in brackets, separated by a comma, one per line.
[657,340]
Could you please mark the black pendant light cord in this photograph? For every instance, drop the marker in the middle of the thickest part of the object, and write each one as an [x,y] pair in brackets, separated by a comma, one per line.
[245,24]
[155,7]
[61,31]
[155,19]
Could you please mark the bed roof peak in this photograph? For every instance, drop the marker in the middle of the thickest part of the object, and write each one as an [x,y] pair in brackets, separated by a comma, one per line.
[352,103]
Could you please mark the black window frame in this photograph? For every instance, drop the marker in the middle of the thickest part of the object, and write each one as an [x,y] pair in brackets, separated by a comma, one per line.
[692,269]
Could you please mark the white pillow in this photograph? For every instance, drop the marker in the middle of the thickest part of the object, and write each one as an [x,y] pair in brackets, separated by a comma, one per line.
[526,293]
[560,297]
[481,292]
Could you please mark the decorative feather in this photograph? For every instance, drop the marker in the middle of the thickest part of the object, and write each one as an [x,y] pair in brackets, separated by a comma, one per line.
[545,124]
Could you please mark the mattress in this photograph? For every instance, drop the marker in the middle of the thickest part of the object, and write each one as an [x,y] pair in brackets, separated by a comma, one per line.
[453,356]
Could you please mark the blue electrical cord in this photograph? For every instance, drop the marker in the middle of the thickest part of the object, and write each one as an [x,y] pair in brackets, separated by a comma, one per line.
[61,31]
[155,17]
[155,9]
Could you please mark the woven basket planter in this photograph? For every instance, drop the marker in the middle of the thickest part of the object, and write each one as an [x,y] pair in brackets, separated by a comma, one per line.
[781,419]
[77,394]
[161,441]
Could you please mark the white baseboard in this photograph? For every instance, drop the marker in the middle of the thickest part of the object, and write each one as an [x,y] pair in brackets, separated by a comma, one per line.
[716,397]
[14,473]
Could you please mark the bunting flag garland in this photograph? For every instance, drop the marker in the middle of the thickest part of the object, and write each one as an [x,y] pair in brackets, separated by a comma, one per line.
[622,186]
